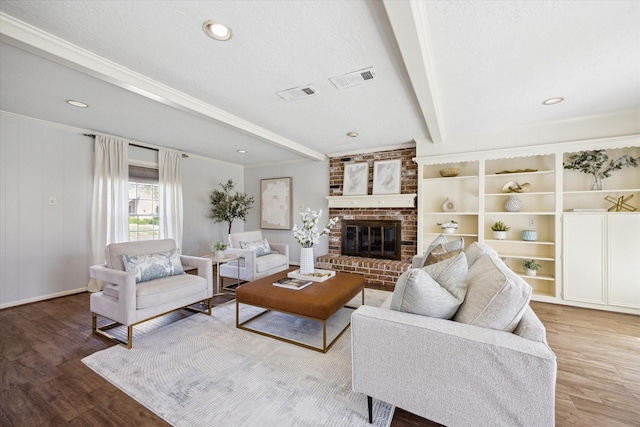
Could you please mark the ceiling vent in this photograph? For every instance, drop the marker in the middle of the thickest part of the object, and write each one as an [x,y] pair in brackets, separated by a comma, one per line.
[355,78]
[297,93]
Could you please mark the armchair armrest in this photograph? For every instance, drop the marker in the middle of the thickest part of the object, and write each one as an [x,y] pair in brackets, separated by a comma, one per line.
[204,266]
[281,248]
[485,376]
[249,255]
[127,288]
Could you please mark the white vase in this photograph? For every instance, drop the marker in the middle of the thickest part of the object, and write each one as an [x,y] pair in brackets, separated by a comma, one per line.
[306,261]
[499,235]
[529,272]
[449,205]
[513,204]
[449,230]
[219,254]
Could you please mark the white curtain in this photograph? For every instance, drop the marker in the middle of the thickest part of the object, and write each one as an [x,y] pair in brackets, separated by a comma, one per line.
[110,209]
[170,196]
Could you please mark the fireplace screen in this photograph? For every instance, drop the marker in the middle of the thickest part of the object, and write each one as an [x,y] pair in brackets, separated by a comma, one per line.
[372,239]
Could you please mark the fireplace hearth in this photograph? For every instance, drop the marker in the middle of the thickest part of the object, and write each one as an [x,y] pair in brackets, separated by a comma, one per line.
[372,238]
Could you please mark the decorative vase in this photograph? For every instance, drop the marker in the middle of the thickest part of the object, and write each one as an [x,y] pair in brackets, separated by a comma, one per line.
[306,261]
[219,254]
[513,204]
[529,272]
[499,235]
[596,185]
[529,235]
[449,206]
[449,230]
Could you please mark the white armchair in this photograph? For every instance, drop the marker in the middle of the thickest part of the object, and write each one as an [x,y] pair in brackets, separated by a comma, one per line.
[253,265]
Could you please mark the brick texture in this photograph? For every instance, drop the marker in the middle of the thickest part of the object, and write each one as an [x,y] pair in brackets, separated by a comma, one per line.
[376,271]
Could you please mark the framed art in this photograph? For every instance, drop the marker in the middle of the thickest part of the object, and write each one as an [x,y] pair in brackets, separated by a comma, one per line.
[386,176]
[275,203]
[356,179]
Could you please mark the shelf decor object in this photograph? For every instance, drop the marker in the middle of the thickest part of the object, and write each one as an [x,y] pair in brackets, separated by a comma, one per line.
[449,205]
[595,163]
[620,203]
[530,267]
[448,227]
[513,204]
[514,187]
[529,235]
[449,172]
[500,230]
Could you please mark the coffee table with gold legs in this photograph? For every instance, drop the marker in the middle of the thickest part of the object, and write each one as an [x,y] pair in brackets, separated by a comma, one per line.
[318,301]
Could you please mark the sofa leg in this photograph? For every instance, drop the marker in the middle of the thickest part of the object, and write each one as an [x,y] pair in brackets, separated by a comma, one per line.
[94,322]
[210,306]
[129,337]
[370,407]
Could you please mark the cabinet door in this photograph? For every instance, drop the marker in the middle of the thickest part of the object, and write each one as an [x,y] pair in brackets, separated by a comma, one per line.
[584,258]
[623,236]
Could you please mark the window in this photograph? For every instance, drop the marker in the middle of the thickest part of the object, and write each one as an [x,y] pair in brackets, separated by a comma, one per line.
[143,203]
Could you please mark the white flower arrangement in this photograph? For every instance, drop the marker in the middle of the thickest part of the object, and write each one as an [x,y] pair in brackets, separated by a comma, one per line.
[309,234]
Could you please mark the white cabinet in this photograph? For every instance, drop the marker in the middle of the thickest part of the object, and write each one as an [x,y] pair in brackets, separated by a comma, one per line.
[601,254]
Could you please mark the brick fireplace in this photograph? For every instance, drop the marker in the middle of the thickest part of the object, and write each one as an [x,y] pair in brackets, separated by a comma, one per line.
[382,272]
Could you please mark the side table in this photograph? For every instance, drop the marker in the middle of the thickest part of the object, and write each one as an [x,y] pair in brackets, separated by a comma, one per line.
[217,262]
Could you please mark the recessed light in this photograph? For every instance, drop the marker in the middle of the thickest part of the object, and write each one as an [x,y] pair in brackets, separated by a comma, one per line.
[217,31]
[552,101]
[77,103]
[352,134]
[242,151]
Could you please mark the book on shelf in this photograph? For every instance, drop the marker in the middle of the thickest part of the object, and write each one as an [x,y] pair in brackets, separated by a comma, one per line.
[292,283]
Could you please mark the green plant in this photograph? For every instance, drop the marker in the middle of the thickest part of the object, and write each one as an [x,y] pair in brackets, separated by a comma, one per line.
[450,224]
[500,226]
[219,246]
[595,163]
[531,264]
[228,206]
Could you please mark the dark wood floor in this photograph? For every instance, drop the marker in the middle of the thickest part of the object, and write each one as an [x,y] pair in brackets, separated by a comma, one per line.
[43,381]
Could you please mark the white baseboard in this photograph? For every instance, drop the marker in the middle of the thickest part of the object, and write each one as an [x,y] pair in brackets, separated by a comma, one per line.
[43,297]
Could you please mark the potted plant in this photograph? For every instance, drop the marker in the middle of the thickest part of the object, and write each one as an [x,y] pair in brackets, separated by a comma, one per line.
[448,227]
[228,207]
[595,163]
[530,267]
[500,230]
[218,248]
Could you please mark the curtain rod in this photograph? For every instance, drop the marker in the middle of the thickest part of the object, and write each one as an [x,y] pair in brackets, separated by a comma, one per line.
[184,156]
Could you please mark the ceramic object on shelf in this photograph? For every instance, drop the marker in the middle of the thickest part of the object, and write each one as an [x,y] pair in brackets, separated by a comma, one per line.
[513,204]
[529,235]
[499,235]
[530,272]
[449,172]
[514,187]
[448,230]
[449,205]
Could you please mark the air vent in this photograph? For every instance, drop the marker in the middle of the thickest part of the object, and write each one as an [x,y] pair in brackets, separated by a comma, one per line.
[297,93]
[355,78]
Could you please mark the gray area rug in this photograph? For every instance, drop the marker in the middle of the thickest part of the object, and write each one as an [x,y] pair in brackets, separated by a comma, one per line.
[202,371]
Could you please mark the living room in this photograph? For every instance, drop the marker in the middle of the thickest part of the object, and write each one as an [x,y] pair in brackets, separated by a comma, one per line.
[47,150]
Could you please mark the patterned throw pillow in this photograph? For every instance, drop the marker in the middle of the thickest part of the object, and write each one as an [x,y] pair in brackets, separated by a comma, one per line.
[439,253]
[153,266]
[260,246]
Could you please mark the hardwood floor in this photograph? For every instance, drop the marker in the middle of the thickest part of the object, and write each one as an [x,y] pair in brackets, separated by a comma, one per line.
[44,382]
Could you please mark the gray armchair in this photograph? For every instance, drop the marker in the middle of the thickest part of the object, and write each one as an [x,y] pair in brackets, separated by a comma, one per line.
[253,264]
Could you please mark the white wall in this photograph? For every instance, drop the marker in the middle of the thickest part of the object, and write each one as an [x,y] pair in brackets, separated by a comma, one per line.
[44,248]
[310,187]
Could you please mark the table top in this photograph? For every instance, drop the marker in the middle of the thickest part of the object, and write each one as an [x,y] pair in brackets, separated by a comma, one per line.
[227,258]
[319,300]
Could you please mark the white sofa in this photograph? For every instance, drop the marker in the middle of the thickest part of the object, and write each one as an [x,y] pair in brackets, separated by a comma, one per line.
[127,302]
[252,265]
[460,371]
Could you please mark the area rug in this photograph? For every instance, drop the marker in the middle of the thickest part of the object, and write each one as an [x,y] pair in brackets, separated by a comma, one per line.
[203,371]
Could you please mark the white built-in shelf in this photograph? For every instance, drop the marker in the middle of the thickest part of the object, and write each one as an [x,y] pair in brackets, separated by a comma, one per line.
[524,242]
[520,213]
[497,175]
[533,193]
[373,201]
[450,213]
[540,258]
[537,277]
[451,234]
[605,192]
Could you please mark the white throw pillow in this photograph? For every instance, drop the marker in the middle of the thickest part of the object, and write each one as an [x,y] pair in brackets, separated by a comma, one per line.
[435,291]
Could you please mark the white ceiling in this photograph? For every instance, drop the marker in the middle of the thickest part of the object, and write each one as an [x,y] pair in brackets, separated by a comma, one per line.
[445,70]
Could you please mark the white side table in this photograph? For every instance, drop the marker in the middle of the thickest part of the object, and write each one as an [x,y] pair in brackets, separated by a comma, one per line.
[217,262]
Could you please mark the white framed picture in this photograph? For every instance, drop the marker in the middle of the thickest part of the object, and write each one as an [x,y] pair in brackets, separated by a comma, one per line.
[356,179]
[386,176]
[275,203]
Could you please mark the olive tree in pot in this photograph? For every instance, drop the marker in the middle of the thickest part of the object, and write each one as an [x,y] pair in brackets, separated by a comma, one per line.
[228,205]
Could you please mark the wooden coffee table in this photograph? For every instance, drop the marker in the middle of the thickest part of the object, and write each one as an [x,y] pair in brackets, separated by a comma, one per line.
[318,301]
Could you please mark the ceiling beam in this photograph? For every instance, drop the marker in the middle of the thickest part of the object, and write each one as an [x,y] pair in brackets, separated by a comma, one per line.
[411,28]
[27,37]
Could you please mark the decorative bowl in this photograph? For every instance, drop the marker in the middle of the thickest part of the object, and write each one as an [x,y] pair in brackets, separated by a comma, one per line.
[449,172]
[529,235]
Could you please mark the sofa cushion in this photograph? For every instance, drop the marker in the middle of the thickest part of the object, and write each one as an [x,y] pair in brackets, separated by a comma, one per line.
[476,250]
[496,296]
[435,291]
[448,246]
[160,291]
[153,266]
[530,327]
[271,261]
[261,247]
[440,253]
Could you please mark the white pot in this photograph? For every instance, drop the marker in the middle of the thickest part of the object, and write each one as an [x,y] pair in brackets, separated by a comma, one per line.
[499,235]
[219,254]
[530,272]
[448,230]
[306,261]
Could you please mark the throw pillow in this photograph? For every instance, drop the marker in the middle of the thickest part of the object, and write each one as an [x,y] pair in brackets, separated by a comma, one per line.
[153,266]
[496,296]
[448,246]
[260,246]
[439,253]
[476,250]
[435,291]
